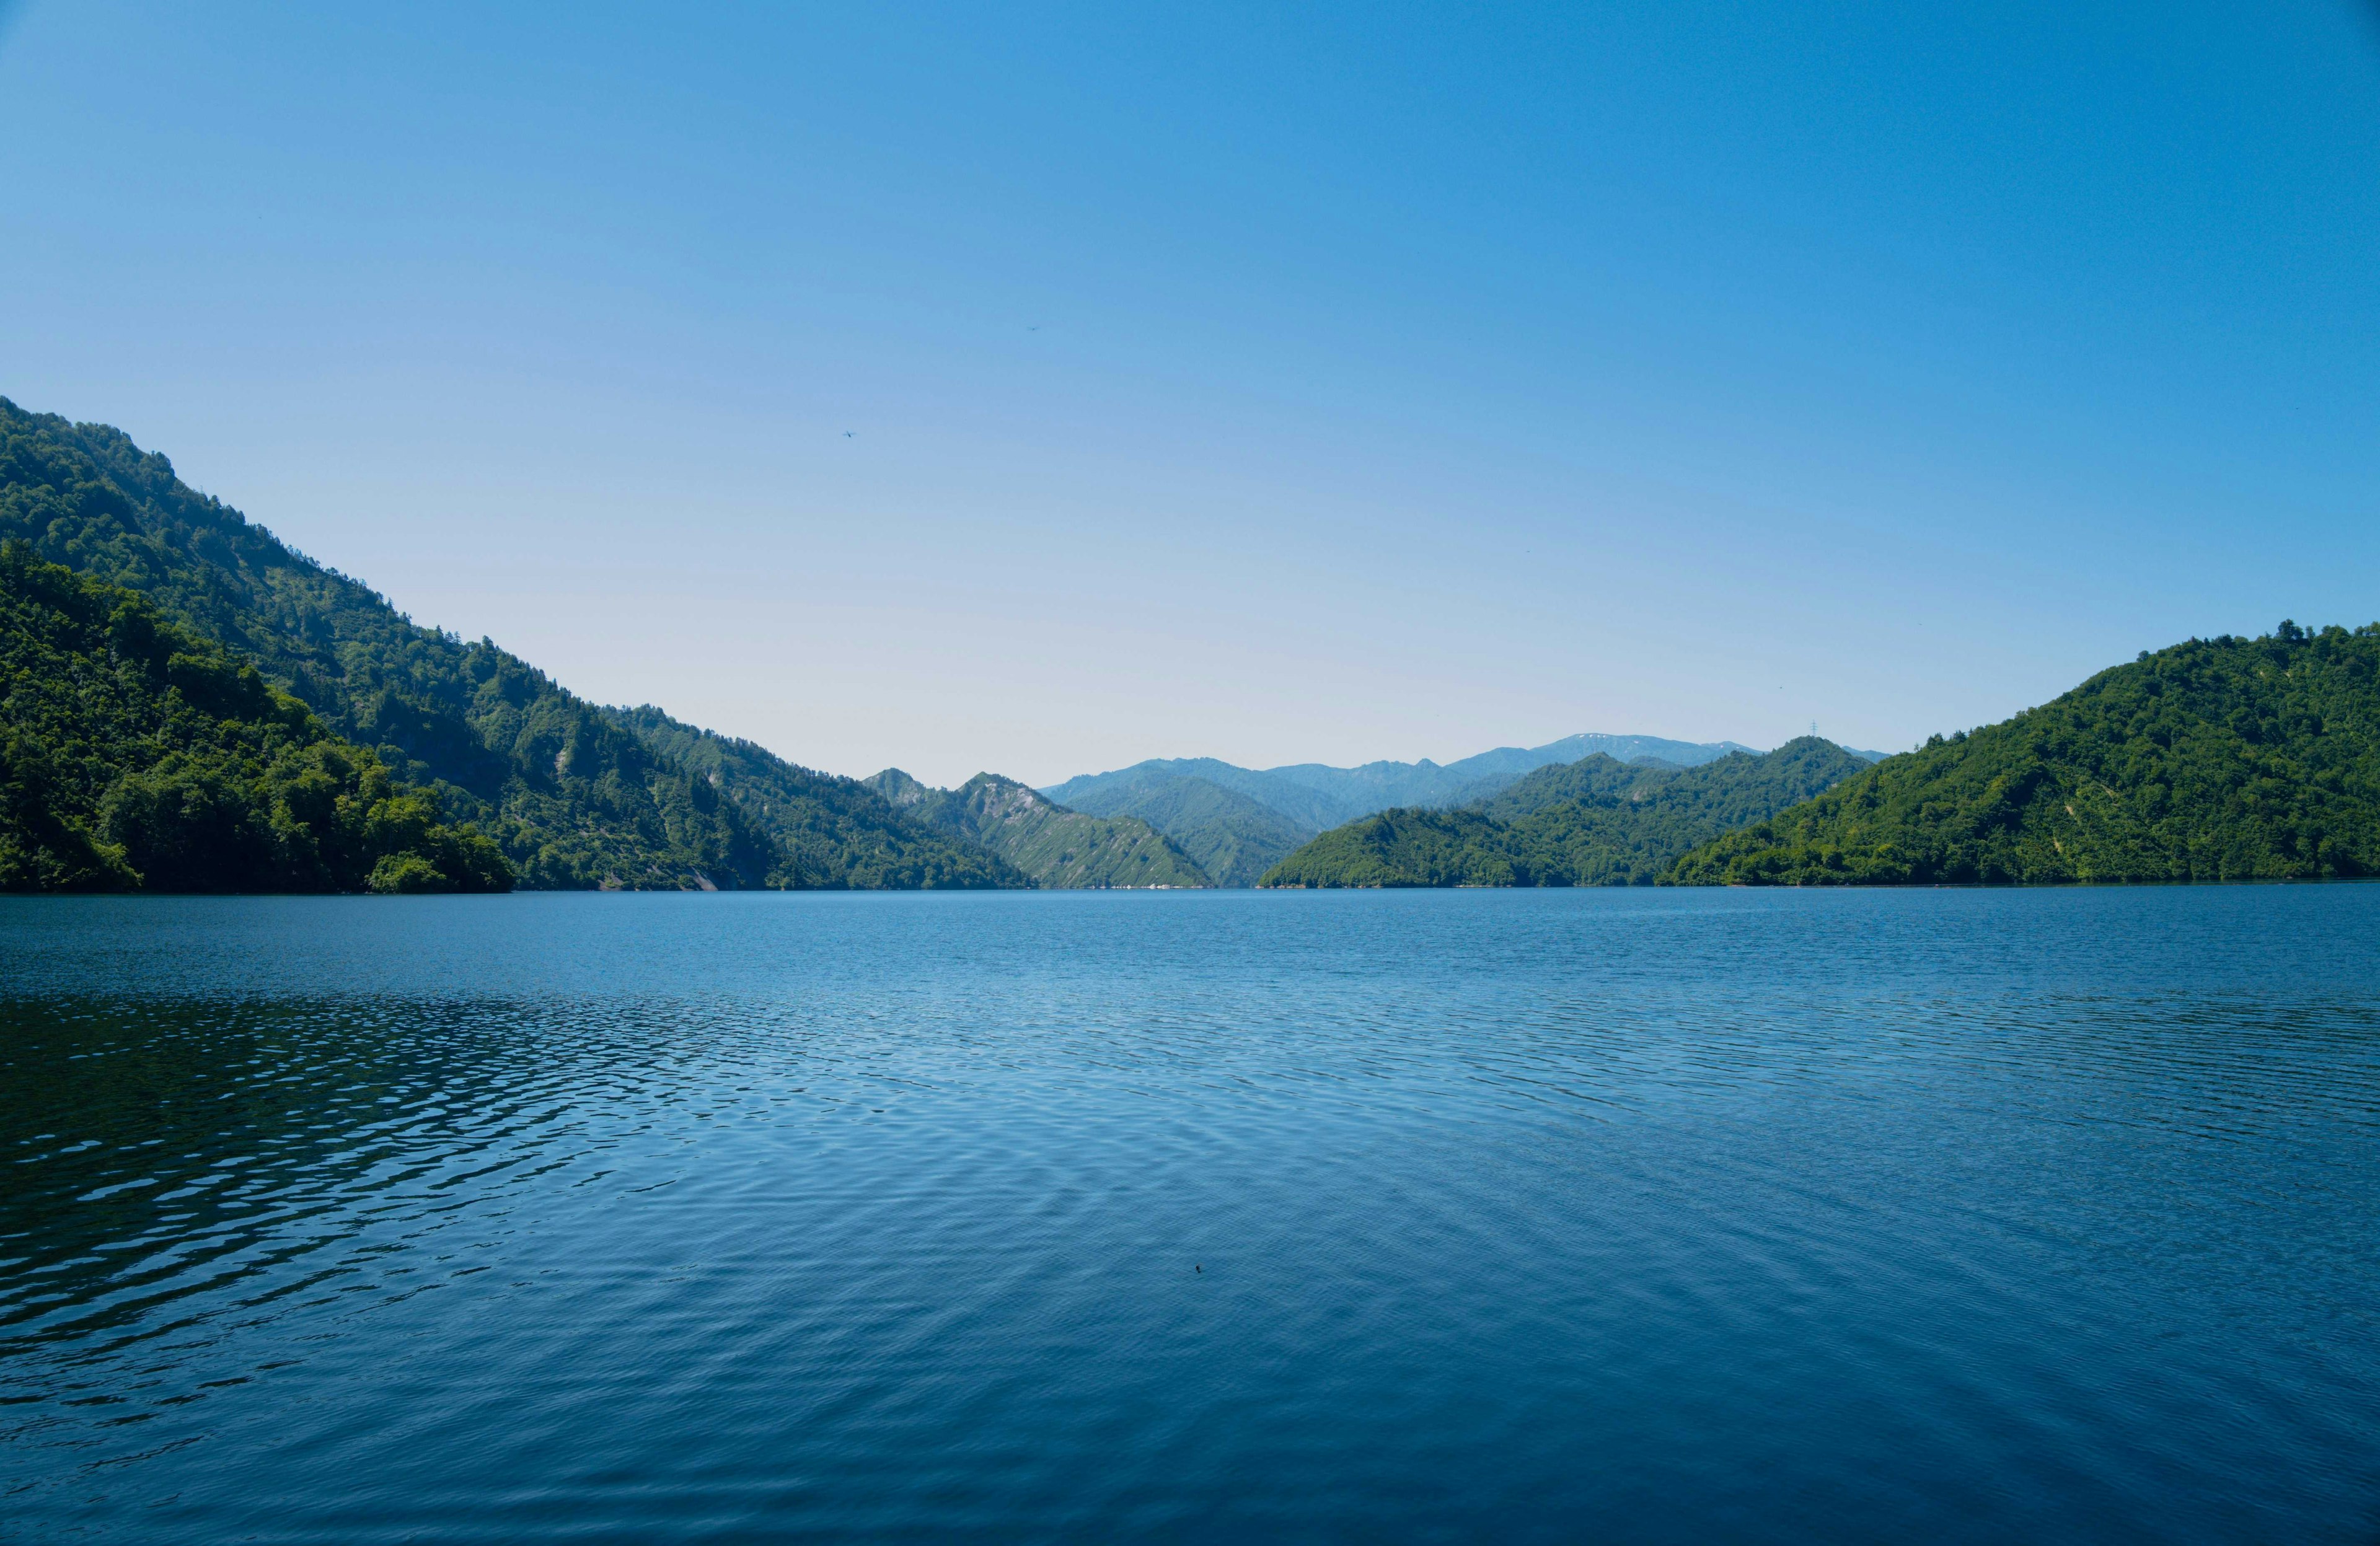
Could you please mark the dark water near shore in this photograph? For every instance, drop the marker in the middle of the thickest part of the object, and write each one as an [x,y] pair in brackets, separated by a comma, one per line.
[1655,1217]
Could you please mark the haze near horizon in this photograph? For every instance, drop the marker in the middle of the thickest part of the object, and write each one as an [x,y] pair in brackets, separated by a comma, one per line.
[1047,393]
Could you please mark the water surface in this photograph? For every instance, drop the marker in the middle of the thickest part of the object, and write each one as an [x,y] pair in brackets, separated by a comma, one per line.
[1402,1216]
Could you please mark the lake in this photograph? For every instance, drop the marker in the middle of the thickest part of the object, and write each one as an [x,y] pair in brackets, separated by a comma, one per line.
[1523,1215]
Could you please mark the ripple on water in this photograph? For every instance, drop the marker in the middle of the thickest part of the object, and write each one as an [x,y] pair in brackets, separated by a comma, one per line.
[1871,1216]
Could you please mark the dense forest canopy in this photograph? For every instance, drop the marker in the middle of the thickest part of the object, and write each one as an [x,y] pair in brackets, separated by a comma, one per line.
[2216,759]
[136,756]
[575,794]
[1594,822]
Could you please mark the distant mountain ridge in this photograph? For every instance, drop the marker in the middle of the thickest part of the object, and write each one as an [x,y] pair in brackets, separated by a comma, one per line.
[1233,838]
[1293,803]
[466,738]
[1317,797]
[1594,822]
[1060,849]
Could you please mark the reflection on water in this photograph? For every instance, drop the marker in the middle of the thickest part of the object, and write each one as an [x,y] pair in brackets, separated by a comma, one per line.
[1936,1215]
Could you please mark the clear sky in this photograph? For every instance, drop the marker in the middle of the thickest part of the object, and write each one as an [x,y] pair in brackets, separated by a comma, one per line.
[1041,389]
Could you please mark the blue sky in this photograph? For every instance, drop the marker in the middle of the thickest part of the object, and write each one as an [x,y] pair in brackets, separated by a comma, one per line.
[1040,390]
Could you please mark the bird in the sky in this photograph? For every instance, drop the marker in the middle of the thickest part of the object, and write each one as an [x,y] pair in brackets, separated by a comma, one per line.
[847,434]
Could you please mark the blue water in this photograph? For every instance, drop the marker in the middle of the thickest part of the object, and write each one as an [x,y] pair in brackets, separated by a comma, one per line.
[1391,1216]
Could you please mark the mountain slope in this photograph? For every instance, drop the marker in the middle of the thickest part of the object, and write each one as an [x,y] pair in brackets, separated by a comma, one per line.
[136,756]
[1597,822]
[1060,849]
[574,795]
[1230,837]
[2221,759]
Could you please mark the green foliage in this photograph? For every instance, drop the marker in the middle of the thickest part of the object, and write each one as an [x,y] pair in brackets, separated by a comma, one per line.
[1594,822]
[1232,837]
[405,874]
[1060,849]
[576,795]
[2222,759]
[136,756]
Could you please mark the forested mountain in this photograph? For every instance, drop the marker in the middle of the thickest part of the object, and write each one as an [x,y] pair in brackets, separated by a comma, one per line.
[1596,822]
[574,795]
[1060,849]
[1314,796]
[2218,759]
[135,755]
[1230,837]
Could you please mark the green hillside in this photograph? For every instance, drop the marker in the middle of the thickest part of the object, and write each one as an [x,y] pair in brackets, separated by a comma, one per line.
[1594,822]
[1060,849]
[1230,836]
[2221,759]
[576,795]
[136,756]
